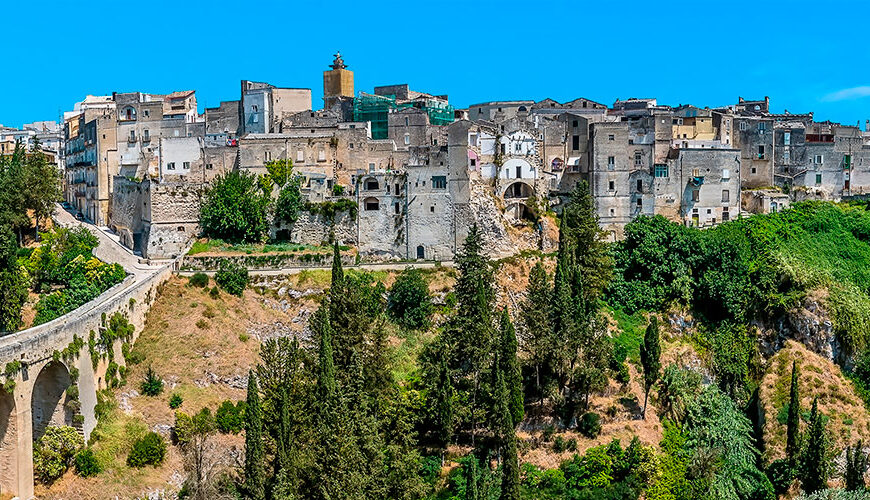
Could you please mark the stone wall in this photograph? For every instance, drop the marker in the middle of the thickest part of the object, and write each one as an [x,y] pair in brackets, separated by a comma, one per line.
[265,262]
[314,229]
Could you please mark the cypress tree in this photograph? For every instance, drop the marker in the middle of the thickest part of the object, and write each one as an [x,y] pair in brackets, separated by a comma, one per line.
[856,465]
[255,480]
[510,368]
[815,462]
[537,335]
[650,358]
[792,445]
[471,476]
[320,326]
[579,228]
[506,432]
[284,440]
[443,394]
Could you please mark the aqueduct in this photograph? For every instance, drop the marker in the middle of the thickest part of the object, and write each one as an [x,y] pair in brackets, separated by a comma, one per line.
[41,378]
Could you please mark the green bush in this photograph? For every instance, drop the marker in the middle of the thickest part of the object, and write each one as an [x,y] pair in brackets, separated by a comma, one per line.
[214,292]
[175,401]
[53,453]
[229,417]
[151,385]
[232,277]
[235,209]
[590,425]
[199,280]
[149,450]
[781,475]
[86,463]
[409,302]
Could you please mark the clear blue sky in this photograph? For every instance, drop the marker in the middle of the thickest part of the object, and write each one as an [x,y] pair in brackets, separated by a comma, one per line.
[804,55]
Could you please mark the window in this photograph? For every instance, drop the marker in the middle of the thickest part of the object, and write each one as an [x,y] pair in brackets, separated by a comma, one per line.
[472,139]
[519,172]
[726,196]
[785,156]
[350,145]
[432,209]
[786,138]
[372,185]
[639,186]
[146,135]
[610,137]
[518,147]
[726,216]
[575,142]
[321,155]
[762,126]
[371,167]
[185,165]
[267,155]
[371,204]
[761,151]
[575,123]
[396,188]
[639,203]
[611,162]
[743,126]
[439,182]
[473,162]
[611,186]
[396,207]
[406,121]
[300,156]
[407,138]
[170,165]
[818,179]
[661,170]
[180,229]
[254,108]
[638,159]
[388,189]
[146,113]
[132,136]
[753,170]
[726,174]
[696,195]
[208,166]
[818,159]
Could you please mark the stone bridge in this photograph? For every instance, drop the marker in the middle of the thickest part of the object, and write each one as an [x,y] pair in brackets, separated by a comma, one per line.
[42,377]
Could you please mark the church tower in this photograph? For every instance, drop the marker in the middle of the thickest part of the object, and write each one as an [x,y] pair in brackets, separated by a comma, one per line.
[337,82]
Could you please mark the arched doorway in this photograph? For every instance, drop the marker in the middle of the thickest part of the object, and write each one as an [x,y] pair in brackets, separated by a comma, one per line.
[8,444]
[421,252]
[518,189]
[49,397]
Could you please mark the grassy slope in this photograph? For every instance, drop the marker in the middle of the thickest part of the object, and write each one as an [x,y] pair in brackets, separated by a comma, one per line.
[848,419]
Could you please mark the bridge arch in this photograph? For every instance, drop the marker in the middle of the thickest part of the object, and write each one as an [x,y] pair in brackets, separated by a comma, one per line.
[8,443]
[48,399]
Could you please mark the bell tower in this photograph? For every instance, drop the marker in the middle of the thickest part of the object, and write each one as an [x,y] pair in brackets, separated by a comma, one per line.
[337,82]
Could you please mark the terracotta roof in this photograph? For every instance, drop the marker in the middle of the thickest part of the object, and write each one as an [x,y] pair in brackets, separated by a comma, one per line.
[180,94]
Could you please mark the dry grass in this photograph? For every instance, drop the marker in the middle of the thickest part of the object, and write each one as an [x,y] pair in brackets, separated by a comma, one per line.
[848,420]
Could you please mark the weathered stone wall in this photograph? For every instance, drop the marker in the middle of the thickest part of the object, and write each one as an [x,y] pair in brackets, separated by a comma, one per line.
[265,262]
[314,229]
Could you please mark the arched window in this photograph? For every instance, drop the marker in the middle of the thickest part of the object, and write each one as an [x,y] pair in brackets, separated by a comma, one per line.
[371,185]
[129,113]
[371,204]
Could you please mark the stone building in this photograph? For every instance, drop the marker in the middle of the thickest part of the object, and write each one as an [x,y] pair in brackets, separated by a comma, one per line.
[91,153]
[263,105]
[337,83]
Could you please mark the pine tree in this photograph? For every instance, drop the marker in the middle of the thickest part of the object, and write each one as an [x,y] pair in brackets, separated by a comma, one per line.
[856,466]
[579,228]
[815,471]
[326,387]
[563,317]
[650,358]
[510,368]
[537,335]
[792,440]
[255,477]
[284,439]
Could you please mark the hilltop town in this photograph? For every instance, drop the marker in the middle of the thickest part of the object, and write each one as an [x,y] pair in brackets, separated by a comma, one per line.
[421,172]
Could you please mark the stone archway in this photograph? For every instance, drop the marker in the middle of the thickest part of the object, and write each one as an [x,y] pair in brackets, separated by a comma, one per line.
[518,211]
[518,189]
[8,443]
[49,397]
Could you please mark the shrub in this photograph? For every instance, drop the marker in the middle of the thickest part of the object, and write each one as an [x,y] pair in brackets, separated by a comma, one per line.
[409,302]
[234,209]
[229,417]
[199,280]
[202,324]
[149,450]
[214,292]
[290,201]
[54,452]
[590,425]
[175,401]
[232,277]
[781,475]
[152,385]
[86,463]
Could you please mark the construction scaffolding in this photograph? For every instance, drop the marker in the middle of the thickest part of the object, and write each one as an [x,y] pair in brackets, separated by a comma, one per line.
[376,109]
